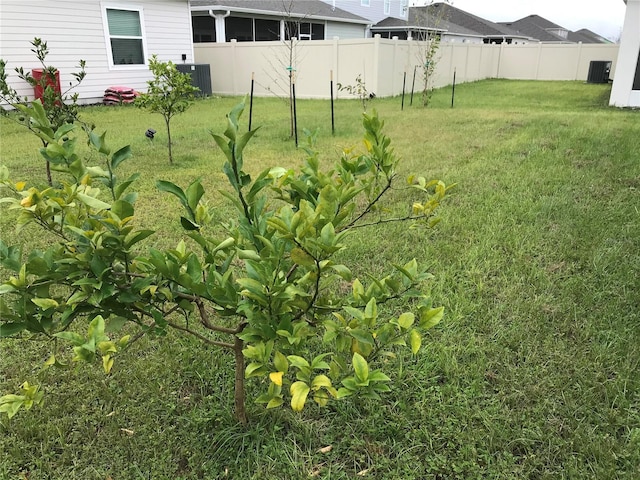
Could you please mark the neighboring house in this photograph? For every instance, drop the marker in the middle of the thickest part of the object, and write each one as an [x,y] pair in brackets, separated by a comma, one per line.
[373,10]
[585,35]
[545,31]
[453,24]
[626,83]
[271,20]
[115,38]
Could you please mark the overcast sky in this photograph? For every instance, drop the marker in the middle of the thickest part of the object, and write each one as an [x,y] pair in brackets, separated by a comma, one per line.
[604,17]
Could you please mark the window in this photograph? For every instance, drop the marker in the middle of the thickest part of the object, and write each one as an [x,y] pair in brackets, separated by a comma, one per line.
[404,9]
[266,30]
[239,28]
[251,29]
[126,41]
[204,29]
[387,7]
[636,78]
[365,3]
[304,31]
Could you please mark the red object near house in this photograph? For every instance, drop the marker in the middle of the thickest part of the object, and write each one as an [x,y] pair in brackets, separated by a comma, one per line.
[117,95]
[37,74]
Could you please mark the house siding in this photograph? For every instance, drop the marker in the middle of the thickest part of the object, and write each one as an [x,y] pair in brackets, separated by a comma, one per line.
[344,30]
[373,12]
[74,30]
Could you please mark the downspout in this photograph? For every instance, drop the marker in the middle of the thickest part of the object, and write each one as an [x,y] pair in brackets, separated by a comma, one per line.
[220,27]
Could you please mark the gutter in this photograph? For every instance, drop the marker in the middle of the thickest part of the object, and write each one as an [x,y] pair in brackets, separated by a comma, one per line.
[281,15]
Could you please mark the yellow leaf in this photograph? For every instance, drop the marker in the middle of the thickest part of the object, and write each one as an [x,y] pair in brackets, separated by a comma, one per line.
[299,391]
[276,377]
[50,362]
[107,363]
[326,449]
[415,341]
[362,473]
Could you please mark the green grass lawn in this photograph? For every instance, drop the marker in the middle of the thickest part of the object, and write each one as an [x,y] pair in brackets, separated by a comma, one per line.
[533,372]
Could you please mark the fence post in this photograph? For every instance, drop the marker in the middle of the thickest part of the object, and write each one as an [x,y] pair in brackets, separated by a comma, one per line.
[376,64]
[234,63]
[538,61]
[336,59]
[578,61]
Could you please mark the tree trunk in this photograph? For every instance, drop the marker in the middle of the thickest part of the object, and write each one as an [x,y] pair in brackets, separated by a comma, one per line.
[238,394]
[48,166]
[169,140]
[49,179]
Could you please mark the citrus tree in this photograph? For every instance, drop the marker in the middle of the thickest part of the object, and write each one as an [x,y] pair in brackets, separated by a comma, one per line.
[264,285]
[60,107]
[169,93]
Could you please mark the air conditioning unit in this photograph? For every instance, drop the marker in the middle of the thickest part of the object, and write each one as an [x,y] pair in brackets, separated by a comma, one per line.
[599,72]
[200,76]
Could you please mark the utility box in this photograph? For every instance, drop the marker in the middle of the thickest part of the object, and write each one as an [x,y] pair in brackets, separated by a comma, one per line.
[599,72]
[51,79]
[200,76]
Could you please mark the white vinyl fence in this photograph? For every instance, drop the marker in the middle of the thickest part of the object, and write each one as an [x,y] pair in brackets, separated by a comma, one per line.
[383,64]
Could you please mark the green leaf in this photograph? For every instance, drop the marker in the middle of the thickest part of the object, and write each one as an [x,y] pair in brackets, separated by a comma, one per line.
[11,404]
[344,392]
[248,255]
[120,156]
[8,329]
[188,225]
[6,288]
[406,320]
[280,362]
[362,336]
[134,237]
[320,381]
[299,391]
[93,202]
[275,402]
[122,209]
[371,310]
[73,337]
[360,367]
[254,369]
[430,317]
[297,361]
[165,186]
[45,303]
[342,271]
[120,189]
[378,376]
[10,257]
[194,193]
[251,285]
[301,257]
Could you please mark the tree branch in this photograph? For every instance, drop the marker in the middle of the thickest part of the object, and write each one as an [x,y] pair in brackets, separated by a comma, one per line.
[201,337]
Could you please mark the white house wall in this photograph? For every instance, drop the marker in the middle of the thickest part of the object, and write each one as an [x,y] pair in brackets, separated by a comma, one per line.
[622,93]
[74,30]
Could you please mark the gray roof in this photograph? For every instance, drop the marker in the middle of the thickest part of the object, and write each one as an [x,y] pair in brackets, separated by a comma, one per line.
[542,29]
[585,35]
[441,16]
[536,27]
[314,9]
